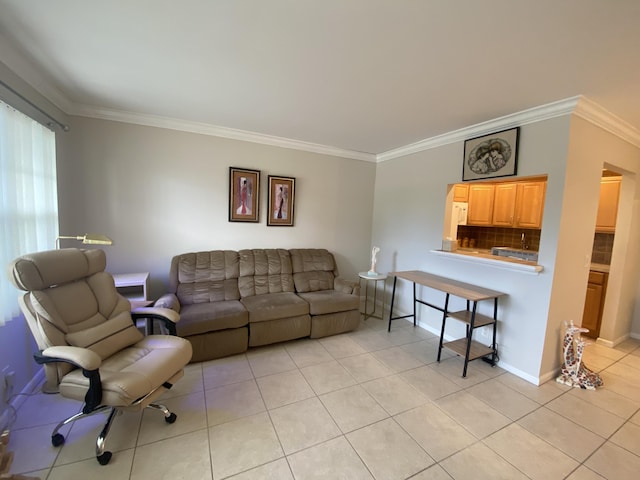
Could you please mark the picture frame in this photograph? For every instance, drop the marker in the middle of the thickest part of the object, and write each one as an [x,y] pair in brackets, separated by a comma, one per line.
[244,195]
[281,201]
[489,156]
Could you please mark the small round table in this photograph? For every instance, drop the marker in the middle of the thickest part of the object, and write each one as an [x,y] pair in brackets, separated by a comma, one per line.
[375,278]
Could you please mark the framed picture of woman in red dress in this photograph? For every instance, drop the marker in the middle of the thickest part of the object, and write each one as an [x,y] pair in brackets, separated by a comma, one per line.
[281,197]
[244,195]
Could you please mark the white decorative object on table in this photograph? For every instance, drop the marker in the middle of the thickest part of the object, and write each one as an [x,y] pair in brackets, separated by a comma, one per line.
[374,252]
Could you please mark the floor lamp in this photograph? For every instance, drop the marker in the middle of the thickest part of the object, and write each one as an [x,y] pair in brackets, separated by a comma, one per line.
[87,239]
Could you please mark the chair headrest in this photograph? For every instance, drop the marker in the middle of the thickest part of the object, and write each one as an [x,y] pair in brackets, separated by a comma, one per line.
[41,270]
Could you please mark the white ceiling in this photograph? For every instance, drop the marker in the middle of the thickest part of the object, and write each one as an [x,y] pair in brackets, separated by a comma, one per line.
[361,75]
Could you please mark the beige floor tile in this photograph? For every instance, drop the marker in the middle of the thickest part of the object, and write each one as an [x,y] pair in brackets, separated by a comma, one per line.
[503,398]
[434,472]
[233,401]
[334,459]
[303,424]
[529,454]
[627,387]
[118,467]
[632,361]
[425,351]
[608,400]
[270,360]
[597,363]
[284,388]
[278,470]
[635,419]
[430,382]
[538,393]
[327,377]
[473,414]
[585,414]
[242,445]
[452,369]
[402,336]
[478,462]
[628,346]
[305,352]
[80,443]
[364,367]
[614,463]
[388,451]
[394,394]
[191,382]
[191,413]
[435,431]
[46,409]
[32,449]
[224,371]
[563,434]
[185,456]
[352,408]
[397,360]
[371,341]
[602,351]
[628,437]
[583,473]
[341,346]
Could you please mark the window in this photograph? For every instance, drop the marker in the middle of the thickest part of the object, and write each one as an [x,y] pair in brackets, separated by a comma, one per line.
[28,195]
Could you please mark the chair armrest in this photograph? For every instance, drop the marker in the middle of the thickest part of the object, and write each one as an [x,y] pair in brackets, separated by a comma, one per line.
[346,286]
[88,360]
[167,316]
[168,300]
[80,357]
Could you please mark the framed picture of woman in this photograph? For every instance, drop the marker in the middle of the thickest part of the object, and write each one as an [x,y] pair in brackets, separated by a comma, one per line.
[244,195]
[281,199]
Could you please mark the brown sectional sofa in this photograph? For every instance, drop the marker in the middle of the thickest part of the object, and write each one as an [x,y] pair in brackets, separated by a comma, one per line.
[229,300]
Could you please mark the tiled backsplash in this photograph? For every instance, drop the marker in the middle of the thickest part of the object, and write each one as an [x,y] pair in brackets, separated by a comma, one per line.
[488,237]
[602,247]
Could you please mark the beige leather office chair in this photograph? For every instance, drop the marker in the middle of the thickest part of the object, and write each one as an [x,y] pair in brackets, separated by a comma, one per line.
[89,344]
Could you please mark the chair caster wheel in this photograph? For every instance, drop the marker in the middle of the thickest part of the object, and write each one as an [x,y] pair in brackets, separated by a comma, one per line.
[104,458]
[171,418]
[57,439]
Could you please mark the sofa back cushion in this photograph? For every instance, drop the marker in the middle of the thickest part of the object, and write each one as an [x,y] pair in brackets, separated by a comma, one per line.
[205,276]
[314,269]
[264,271]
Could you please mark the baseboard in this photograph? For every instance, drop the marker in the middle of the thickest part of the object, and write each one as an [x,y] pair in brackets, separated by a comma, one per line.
[614,343]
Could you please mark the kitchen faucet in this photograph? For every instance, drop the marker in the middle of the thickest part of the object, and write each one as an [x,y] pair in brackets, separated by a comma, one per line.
[522,242]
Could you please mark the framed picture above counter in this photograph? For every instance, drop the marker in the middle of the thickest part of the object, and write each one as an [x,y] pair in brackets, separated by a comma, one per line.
[489,156]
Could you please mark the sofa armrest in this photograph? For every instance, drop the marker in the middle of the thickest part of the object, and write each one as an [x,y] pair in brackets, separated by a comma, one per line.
[167,316]
[346,286]
[168,300]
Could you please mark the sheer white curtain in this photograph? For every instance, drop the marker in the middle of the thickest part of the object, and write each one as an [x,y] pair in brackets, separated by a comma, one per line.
[28,195]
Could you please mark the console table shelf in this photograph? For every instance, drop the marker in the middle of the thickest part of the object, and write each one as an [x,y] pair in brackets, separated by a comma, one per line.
[466,346]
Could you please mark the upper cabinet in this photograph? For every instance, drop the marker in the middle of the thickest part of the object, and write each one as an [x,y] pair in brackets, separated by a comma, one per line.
[461,192]
[507,204]
[481,201]
[608,206]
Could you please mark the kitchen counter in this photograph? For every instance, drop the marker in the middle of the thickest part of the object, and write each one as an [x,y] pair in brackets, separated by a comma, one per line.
[479,255]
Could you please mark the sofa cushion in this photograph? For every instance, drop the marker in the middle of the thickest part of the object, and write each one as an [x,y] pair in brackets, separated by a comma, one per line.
[204,277]
[272,306]
[330,301]
[313,269]
[264,271]
[208,317]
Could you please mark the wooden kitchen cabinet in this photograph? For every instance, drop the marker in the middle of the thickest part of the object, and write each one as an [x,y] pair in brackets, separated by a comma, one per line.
[461,192]
[594,303]
[608,205]
[519,204]
[481,200]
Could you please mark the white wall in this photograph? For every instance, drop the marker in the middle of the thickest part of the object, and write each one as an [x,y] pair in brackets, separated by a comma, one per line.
[158,193]
[408,218]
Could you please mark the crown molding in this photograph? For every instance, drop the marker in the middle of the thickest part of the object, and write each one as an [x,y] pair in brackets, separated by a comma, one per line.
[217,131]
[531,115]
[592,112]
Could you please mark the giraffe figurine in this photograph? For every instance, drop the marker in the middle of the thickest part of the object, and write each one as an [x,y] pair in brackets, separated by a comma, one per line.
[574,372]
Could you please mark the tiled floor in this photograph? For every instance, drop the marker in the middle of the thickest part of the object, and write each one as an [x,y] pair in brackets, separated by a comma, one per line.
[362,405]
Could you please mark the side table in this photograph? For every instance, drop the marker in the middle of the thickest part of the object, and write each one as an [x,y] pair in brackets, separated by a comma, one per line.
[373,278]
